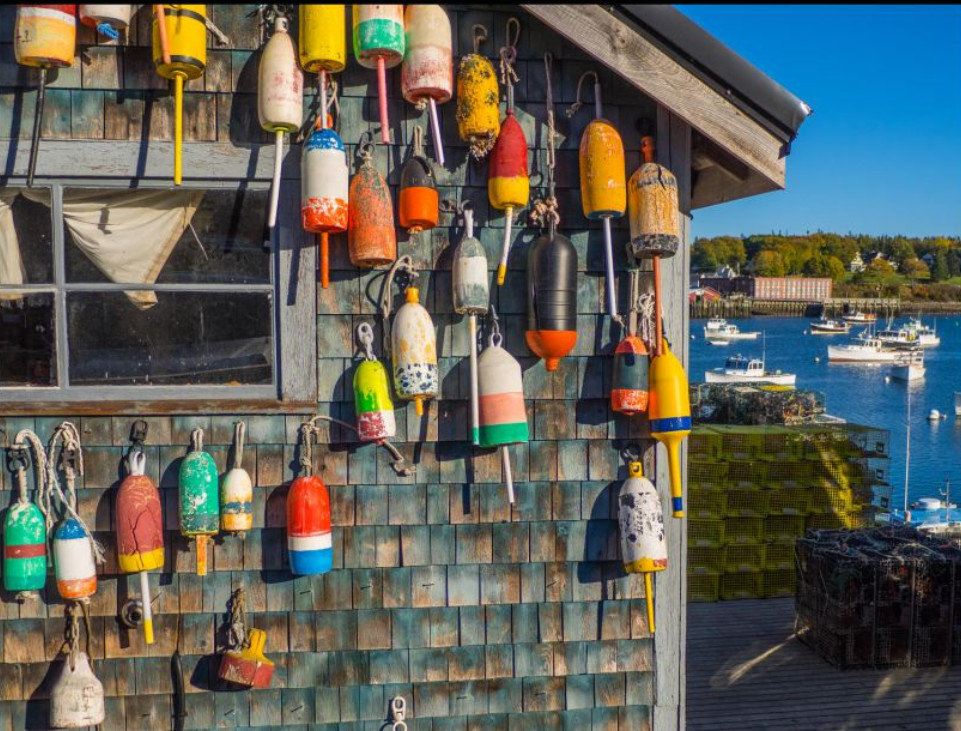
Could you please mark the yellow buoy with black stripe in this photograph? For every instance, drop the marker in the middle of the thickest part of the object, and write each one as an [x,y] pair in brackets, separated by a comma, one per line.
[184,58]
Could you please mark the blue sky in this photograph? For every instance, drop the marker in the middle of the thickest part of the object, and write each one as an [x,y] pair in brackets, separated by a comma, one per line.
[882,152]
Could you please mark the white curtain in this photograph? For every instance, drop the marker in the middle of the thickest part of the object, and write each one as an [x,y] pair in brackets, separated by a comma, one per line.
[11,263]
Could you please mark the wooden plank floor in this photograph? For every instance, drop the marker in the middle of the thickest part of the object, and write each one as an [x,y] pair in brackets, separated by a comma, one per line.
[746,672]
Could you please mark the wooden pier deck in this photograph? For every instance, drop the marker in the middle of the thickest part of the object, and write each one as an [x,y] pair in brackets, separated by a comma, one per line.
[746,672]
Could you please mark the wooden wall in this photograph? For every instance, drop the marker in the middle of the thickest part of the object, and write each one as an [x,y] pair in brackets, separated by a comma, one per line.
[481,616]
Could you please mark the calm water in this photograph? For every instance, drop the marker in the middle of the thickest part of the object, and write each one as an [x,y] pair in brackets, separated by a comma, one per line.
[858,393]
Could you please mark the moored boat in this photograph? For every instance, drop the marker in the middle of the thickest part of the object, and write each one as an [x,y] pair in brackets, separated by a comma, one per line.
[739,369]
[830,327]
[909,366]
[865,349]
[860,318]
[720,329]
[927,336]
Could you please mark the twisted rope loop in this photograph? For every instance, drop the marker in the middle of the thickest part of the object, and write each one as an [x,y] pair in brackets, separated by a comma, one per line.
[365,334]
[508,56]
[572,110]
[237,638]
[545,211]
[27,437]
[197,440]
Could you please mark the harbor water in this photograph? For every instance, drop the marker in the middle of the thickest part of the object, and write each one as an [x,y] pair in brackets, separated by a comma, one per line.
[860,393]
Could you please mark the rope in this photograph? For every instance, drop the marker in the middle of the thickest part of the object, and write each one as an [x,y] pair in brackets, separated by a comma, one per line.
[27,437]
[237,627]
[399,465]
[221,37]
[508,56]
[239,428]
[545,211]
[645,310]
[480,35]
[365,334]
[418,141]
[197,440]
[404,263]
[578,104]
[308,431]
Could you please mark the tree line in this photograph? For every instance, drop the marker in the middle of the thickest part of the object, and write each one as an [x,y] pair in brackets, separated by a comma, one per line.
[934,258]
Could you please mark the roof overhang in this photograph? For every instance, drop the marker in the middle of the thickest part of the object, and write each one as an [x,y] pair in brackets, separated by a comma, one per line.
[736,151]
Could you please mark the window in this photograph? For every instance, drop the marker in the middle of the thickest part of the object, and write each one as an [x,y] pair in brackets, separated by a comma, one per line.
[123,294]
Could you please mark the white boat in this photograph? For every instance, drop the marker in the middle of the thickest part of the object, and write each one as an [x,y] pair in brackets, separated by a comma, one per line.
[926,335]
[901,337]
[860,318]
[865,349]
[739,369]
[957,403]
[715,323]
[830,327]
[909,366]
[726,332]
[717,341]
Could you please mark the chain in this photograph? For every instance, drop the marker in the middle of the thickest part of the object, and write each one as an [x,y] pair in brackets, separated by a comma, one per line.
[237,627]
[71,632]
[544,212]
[508,56]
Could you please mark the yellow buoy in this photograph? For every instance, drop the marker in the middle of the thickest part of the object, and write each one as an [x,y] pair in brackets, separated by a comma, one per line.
[478,104]
[184,58]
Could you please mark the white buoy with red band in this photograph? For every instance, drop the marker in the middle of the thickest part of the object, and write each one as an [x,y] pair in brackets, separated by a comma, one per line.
[280,99]
[325,185]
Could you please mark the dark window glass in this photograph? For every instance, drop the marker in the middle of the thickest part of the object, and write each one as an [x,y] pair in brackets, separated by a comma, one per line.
[186,338]
[25,235]
[27,342]
[125,239]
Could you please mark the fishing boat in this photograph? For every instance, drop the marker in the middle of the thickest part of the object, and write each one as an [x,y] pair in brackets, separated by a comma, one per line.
[909,366]
[720,329]
[860,318]
[739,369]
[865,349]
[897,338]
[926,335]
[830,327]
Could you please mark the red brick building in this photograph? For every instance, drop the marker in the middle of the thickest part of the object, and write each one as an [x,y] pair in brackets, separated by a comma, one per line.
[796,289]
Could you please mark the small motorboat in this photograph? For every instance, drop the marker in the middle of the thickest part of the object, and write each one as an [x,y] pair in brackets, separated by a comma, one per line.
[909,366]
[927,336]
[739,369]
[865,349]
[727,332]
[860,318]
[830,327]
[896,338]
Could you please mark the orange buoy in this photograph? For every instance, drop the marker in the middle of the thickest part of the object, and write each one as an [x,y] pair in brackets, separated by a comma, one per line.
[371,237]
[418,202]
[552,298]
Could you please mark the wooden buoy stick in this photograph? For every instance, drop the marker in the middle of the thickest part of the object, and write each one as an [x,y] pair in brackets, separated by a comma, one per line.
[37,119]
[323,99]
[275,186]
[147,611]
[419,405]
[609,269]
[162,33]
[658,335]
[506,246]
[508,477]
[178,127]
[474,386]
[201,555]
[382,99]
[435,131]
[649,596]
[324,260]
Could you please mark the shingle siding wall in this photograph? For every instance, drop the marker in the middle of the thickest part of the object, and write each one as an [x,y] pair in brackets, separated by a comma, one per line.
[481,615]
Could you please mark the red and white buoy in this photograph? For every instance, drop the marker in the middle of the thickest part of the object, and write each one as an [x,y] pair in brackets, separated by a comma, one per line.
[324,189]
[427,72]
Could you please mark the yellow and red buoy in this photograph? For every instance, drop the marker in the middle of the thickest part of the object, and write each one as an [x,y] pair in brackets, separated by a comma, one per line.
[371,237]
[180,54]
[508,184]
[372,405]
[379,42]
[427,72]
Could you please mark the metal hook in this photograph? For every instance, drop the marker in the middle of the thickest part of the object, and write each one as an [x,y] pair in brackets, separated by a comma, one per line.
[480,35]
[631,452]
[398,712]
[496,339]
[18,458]
[365,147]
[572,110]
[365,334]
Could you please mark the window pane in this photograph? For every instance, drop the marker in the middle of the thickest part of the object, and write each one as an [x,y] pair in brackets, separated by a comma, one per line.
[166,236]
[26,255]
[186,338]
[27,342]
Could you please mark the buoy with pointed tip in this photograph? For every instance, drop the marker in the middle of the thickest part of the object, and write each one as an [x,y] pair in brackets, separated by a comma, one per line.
[109,20]
[182,56]
[324,190]
[669,411]
[641,520]
[199,498]
[379,43]
[427,72]
[478,102]
[140,536]
[45,37]
[414,352]
[503,416]
[418,202]
[24,525]
[471,297]
[280,99]
[372,405]
[552,298]
[654,219]
[603,182]
[237,490]
[371,236]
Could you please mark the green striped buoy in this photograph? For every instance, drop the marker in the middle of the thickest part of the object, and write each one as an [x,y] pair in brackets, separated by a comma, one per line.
[24,548]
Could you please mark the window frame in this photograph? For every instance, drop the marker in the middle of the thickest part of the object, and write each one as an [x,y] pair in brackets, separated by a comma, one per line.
[291,287]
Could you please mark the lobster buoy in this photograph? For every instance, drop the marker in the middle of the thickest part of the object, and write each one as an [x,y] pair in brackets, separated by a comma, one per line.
[372,404]
[418,202]
[280,99]
[199,498]
[308,527]
[24,533]
[324,187]
[237,490]
[427,72]
[248,666]
[654,218]
[322,45]
[508,185]
[73,561]
[629,384]
[552,299]
[670,415]
[45,37]
[478,106]
[471,297]
[603,182]
[371,237]
[76,694]
[503,416]
[180,54]
[109,20]
[140,536]
[414,351]
[641,520]
[379,43]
